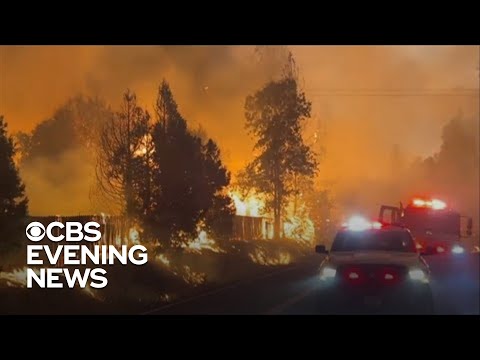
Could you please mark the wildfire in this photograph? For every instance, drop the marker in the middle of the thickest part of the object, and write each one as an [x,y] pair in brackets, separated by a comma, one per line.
[260,257]
[192,277]
[89,291]
[134,236]
[165,297]
[162,258]
[251,205]
[202,242]
[299,229]
[17,277]
[298,226]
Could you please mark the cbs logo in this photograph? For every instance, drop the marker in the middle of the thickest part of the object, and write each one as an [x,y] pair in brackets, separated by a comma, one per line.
[74,231]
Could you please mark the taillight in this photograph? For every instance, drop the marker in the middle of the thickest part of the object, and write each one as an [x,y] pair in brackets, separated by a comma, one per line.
[388,275]
[354,275]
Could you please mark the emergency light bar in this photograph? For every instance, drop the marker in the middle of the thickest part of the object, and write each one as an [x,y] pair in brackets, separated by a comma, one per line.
[359,223]
[435,204]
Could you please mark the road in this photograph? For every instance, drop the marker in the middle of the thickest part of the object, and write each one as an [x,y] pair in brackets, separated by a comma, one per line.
[294,290]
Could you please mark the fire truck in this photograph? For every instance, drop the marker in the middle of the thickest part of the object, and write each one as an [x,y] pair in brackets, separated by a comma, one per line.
[437,229]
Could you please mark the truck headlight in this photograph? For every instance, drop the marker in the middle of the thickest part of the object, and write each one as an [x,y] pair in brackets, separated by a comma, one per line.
[328,273]
[456,249]
[418,275]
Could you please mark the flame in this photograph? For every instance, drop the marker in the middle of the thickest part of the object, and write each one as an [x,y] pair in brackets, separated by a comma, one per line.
[143,148]
[250,205]
[202,242]
[298,226]
[260,257]
[162,258]
[104,218]
[17,277]
[89,291]
[118,240]
[134,236]
[166,297]
[299,229]
[192,277]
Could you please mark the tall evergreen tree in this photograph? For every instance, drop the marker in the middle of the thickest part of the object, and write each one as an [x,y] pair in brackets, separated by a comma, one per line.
[13,202]
[274,115]
[187,173]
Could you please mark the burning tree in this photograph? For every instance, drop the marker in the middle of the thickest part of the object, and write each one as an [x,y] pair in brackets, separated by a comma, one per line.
[188,175]
[122,140]
[274,115]
[13,202]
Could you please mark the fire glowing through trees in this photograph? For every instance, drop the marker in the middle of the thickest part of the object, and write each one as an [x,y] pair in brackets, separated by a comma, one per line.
[18,278]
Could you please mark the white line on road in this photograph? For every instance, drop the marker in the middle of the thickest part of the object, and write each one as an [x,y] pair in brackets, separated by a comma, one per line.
[289,302]
[224,288]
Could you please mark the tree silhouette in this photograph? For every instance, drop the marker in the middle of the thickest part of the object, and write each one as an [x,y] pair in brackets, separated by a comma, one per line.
[77,123]
[13,202]
[122,141]
[274,115]
[220,208]
[187,174]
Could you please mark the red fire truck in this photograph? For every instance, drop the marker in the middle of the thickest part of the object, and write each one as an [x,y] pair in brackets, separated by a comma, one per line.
[437,229]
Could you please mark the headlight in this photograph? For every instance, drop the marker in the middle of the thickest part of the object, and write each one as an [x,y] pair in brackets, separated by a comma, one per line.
[327,273]
[418,275]
[456,249]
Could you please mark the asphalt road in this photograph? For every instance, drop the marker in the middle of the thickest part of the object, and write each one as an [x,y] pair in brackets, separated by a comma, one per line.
[294,290]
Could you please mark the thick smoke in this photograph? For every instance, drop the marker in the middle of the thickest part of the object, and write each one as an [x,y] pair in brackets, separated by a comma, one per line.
[371,134]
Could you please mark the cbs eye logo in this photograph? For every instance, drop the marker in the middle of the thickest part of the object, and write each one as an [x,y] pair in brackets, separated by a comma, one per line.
[74,231]
[35,231]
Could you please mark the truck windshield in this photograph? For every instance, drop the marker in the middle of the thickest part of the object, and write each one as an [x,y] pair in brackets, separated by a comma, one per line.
[373,240]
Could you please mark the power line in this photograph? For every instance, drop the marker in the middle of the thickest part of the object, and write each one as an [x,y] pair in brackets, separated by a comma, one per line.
[393,95]
[394,92]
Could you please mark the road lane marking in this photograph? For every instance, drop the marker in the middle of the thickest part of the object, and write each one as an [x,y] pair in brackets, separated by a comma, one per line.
[224,288]
[289,302]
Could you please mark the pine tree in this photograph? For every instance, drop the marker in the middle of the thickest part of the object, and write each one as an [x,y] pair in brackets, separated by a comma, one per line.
[13,202]
[274,115]
[188,175]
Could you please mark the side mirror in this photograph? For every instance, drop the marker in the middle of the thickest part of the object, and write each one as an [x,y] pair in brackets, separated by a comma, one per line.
[469,227]
[320,249]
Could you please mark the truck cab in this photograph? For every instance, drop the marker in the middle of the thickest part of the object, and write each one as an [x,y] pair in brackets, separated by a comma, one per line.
[436,228]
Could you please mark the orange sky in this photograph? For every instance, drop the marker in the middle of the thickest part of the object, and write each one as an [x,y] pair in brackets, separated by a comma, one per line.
[35,80]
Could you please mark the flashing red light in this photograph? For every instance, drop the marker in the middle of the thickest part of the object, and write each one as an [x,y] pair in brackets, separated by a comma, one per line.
[418,202]
[440,249]
[433,203]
